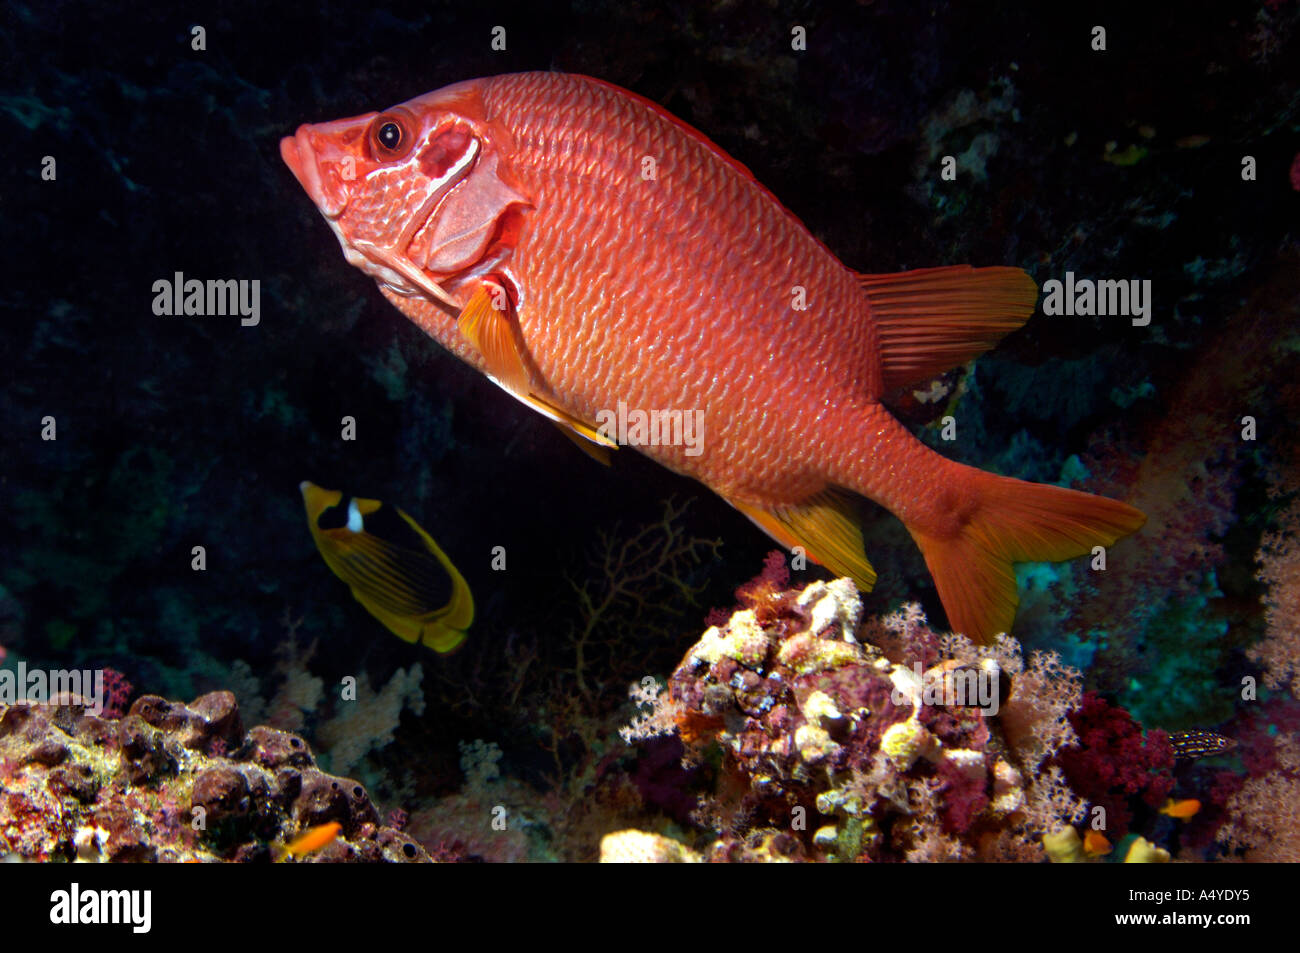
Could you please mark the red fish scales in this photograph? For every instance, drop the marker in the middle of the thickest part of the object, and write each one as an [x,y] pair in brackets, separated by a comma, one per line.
[695,313]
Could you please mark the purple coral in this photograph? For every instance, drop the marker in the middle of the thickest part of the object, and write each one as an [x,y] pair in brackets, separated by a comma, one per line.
[1115,762]
[117,693]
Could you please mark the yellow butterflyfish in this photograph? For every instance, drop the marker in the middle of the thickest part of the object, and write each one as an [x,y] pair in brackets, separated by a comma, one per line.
[393,567]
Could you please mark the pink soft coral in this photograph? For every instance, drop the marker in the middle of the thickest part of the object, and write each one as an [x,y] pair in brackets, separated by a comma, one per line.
[1279,558]
[1114,761]
[1264,816]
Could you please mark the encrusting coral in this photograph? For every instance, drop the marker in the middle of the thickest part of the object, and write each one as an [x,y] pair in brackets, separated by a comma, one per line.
[834,740]
[177,783]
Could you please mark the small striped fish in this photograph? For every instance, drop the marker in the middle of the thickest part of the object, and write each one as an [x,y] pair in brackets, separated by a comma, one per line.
[1199,744]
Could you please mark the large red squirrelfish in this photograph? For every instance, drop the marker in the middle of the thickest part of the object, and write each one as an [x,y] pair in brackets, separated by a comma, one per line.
[587,250]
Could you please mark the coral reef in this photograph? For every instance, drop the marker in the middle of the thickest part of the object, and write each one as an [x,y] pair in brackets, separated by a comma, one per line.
[1279,559]
[151,786]
[368,722]
[1114,761]
[1264,815]
[638,847]
[831,740]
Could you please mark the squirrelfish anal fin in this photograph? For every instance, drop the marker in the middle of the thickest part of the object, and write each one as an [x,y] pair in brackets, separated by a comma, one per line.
[488,323]
[393,568]
[825,526]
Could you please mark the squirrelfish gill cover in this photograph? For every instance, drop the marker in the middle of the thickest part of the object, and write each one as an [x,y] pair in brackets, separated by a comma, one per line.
[516,220]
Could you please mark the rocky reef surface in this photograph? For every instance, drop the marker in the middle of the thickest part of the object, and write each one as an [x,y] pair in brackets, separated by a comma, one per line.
[171,782]
[825,736]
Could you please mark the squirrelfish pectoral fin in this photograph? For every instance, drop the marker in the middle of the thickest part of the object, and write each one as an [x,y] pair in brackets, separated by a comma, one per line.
[933,319]
[393,567]
[825,527]
[487,323]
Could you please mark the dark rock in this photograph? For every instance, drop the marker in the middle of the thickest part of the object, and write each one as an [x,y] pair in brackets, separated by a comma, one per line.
[125,841]
[214,717]
[145,755]
[289,783]
[272,748]
[50,751]
[97,732]
[77,780]
[361,809]
[160,713]
[324,798]
[13,718]
[64,716]
[222,792]
[400,849]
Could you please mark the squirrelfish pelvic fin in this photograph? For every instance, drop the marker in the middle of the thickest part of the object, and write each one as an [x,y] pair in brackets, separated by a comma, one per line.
[825,527]
[411,586]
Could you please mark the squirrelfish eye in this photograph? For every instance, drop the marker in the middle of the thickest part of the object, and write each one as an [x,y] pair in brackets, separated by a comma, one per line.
[390,135]
[389,138]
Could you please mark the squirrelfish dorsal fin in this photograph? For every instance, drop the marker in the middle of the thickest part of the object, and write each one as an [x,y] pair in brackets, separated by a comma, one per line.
[936,318]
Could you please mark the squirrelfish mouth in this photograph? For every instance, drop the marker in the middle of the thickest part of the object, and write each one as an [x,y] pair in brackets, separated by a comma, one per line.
[298,155]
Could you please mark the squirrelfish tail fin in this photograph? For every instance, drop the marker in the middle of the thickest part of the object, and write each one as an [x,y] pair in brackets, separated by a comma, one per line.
[1004,521]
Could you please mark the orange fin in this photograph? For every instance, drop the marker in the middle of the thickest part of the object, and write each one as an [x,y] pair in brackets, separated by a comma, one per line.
[936,318]
[597,451]
[491,330]
[485,323]
[1013,521]
[825,526]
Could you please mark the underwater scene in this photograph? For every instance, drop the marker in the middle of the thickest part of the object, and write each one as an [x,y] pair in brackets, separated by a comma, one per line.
[650,432]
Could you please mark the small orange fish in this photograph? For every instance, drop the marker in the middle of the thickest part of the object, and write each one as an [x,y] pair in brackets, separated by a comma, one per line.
[1095,843]
[313,839]
[1181,809]
[587,251]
